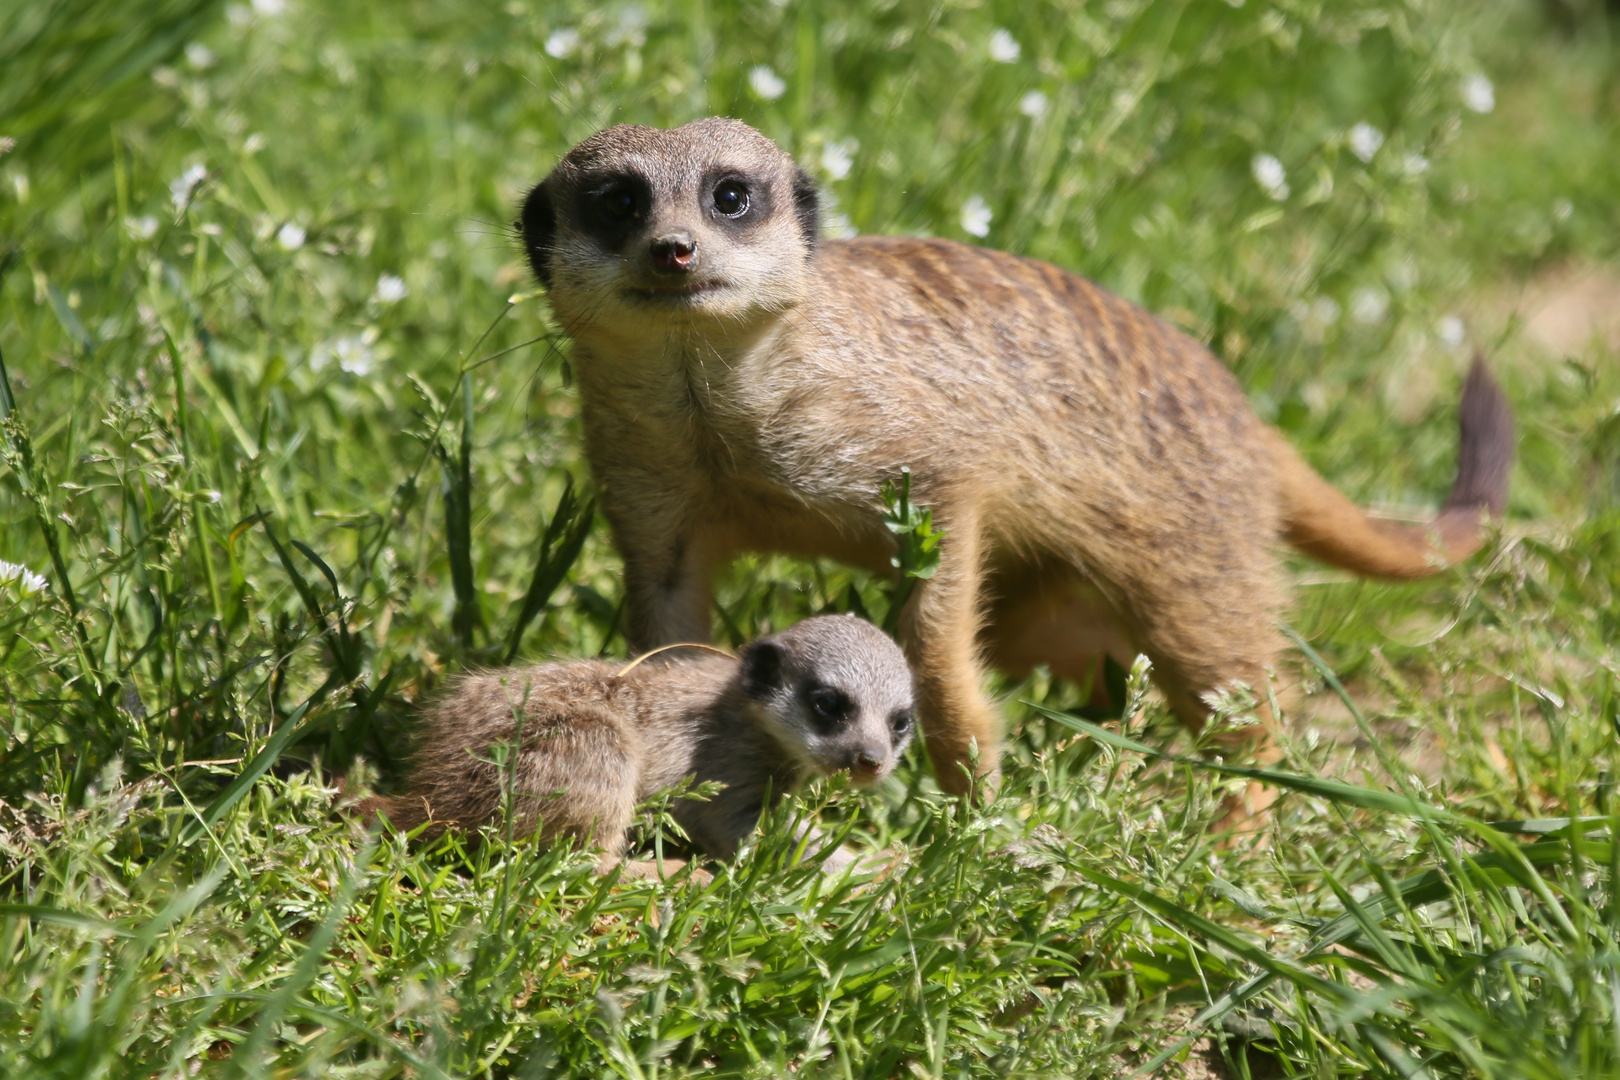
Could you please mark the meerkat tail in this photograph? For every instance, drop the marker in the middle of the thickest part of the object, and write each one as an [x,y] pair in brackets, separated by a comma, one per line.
[1324,524]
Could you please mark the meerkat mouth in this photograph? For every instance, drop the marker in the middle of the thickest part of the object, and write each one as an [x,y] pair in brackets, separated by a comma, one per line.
[676,293]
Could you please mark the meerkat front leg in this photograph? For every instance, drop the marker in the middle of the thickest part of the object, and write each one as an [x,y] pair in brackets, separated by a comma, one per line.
[668,565]
[939,631]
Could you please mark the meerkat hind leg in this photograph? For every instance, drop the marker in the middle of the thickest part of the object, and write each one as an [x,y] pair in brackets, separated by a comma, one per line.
[578,780]
[1205,640]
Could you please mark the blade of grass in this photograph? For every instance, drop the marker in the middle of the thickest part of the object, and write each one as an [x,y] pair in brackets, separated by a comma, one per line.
[1333,790]
[560,546]
[76,920]
[291,728]
[284,998]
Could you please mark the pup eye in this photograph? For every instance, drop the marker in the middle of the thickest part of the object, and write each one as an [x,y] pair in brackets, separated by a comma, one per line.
[900,722]
[618,203]
[829,704]
[731,198]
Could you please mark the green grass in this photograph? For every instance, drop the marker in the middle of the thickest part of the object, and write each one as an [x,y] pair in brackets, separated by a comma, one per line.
[277,507]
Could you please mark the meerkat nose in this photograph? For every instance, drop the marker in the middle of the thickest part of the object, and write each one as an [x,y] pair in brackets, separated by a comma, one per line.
[674,253]
[866,763]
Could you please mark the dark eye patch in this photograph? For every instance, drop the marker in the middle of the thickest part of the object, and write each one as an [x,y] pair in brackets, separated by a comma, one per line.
[737,202]
[611,209]
[829,707]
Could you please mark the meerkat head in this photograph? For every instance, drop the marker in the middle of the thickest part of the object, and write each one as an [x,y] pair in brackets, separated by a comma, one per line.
[638,228]
[836,693]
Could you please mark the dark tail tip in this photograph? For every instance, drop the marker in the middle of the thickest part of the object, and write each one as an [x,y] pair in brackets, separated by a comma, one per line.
[1485,451]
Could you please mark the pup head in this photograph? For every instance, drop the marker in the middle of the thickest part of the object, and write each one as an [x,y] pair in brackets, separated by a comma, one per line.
[836,693]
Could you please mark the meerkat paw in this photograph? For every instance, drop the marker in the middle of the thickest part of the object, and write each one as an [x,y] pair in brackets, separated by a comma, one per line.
[656,870]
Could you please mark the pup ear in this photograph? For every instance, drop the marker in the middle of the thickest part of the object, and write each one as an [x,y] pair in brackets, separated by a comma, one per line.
[807,204]
[762,669]
[538,227]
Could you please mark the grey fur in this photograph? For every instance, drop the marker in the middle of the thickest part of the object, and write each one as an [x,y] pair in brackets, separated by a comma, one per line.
[591,744]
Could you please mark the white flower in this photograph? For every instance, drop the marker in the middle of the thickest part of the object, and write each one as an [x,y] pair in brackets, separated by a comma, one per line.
[354,356]
[1562,209]
[1004,48]
[182,186]
[391,289]
[1368,305]
[1270,175]
[25,580]
[269,7]
[290,237]
[766,83]
[7,144]
[837,158]
[254,143]
[1450,331]
[1033,104]
[976,216]
[1415,165]
[199,56]
[141,228]
[351,351]
[1478,93]
[562,43]
[1365,141]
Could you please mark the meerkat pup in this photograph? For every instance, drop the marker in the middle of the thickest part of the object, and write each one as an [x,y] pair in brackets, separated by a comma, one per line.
[587,741]
[1103,483]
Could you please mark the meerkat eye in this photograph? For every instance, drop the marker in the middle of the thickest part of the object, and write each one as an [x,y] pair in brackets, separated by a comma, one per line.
[617,202]
[900,722]
[731,198]
[829,704]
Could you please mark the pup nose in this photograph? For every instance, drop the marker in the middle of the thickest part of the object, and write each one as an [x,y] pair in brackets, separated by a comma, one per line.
[866,764]
[674,253]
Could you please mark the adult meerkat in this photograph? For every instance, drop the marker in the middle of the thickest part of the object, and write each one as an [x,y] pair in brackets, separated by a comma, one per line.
[589,740]
[1103,483]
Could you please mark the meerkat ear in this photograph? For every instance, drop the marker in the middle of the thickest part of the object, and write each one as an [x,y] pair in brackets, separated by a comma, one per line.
[538,227]
[762,669]
[807,204]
